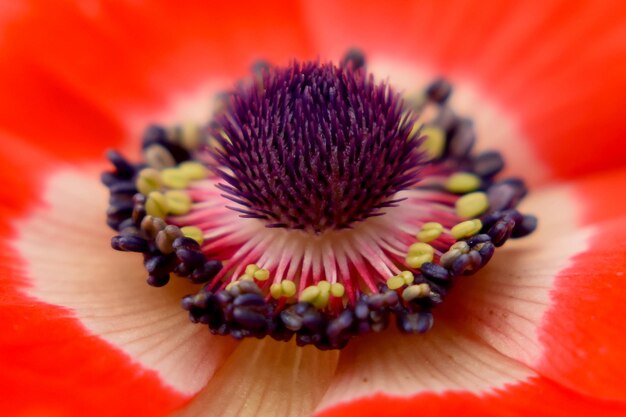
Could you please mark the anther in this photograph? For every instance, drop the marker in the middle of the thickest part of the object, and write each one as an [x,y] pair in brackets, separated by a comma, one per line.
[462,182]
[156,205]
[152,225]
[309,294]
[174,178]
[429,232]
[434,142]
[439,91]
[412,292]
[395,282]
[193,233]
[166,237]
[472,205]
[193,170]
[158,157]
[148,180]
[288,288]
[466,229]
[178,202]
[418,254]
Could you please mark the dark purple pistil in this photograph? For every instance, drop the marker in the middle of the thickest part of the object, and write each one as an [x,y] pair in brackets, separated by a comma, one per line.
[314,146]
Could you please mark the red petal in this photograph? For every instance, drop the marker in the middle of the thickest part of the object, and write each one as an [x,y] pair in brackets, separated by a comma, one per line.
[554,300]
[52,366]
[537,397]
[75,74]
[556,66]
[584,329]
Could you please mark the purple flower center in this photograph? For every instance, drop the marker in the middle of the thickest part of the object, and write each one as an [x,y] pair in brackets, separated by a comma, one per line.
[315,146]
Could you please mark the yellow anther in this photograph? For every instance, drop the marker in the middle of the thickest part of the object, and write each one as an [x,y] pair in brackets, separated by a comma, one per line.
[407,276]
[276,290]
[323,285]
[462,182]
[415,291]
[420,248]
[321,301]
[193,233]
[429,232]
[466,229]
[229,286]
[251,269]
[288,288]
[434,142]
[178,202]
[448,258]
[337,289]
[461,246]
[309,294]
[148,180]
[395,282]
[262,275]
[472,205]
[417,261]
[193,170]
[156,205]
[246,277]
[158,157]
[190,136]
[174,178]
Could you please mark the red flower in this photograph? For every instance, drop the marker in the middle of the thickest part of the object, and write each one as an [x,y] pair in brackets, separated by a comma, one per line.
[538,331]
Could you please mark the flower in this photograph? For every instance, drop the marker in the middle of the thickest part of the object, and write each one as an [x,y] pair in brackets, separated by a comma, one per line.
[541,326]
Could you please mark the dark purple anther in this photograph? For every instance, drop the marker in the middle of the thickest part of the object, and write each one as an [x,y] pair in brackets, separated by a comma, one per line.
[123,187]
[462,140]
[190,258]
[501,231]
[129,243]
[291,319]
[506,194]
[157,135]
[439,91]
[123,168]
[354,59]
[158,280]
[160,264]
[488,164]
[249,300]
[206,272]
[249,318]
[185,243]
[526,227]
[436,272]
[339,325]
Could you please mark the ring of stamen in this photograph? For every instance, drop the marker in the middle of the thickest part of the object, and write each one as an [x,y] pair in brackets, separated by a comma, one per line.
[200,207]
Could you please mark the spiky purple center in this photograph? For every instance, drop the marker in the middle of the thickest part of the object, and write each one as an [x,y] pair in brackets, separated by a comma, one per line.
[315,146]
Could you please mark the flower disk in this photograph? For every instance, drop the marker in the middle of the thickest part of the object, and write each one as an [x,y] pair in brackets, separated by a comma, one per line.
[315,146]
[327,151]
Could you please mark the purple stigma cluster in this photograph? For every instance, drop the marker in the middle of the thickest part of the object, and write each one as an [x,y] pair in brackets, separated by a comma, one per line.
[315,146]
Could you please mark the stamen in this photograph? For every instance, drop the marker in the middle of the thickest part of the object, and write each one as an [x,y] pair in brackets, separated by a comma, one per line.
[315,205]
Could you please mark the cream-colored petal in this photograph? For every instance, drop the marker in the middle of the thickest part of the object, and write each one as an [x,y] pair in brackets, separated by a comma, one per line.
[266,378]
[66,245]
[506,302]
[401,365]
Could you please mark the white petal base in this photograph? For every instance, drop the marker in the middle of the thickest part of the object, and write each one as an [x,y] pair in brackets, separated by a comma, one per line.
[72,265]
